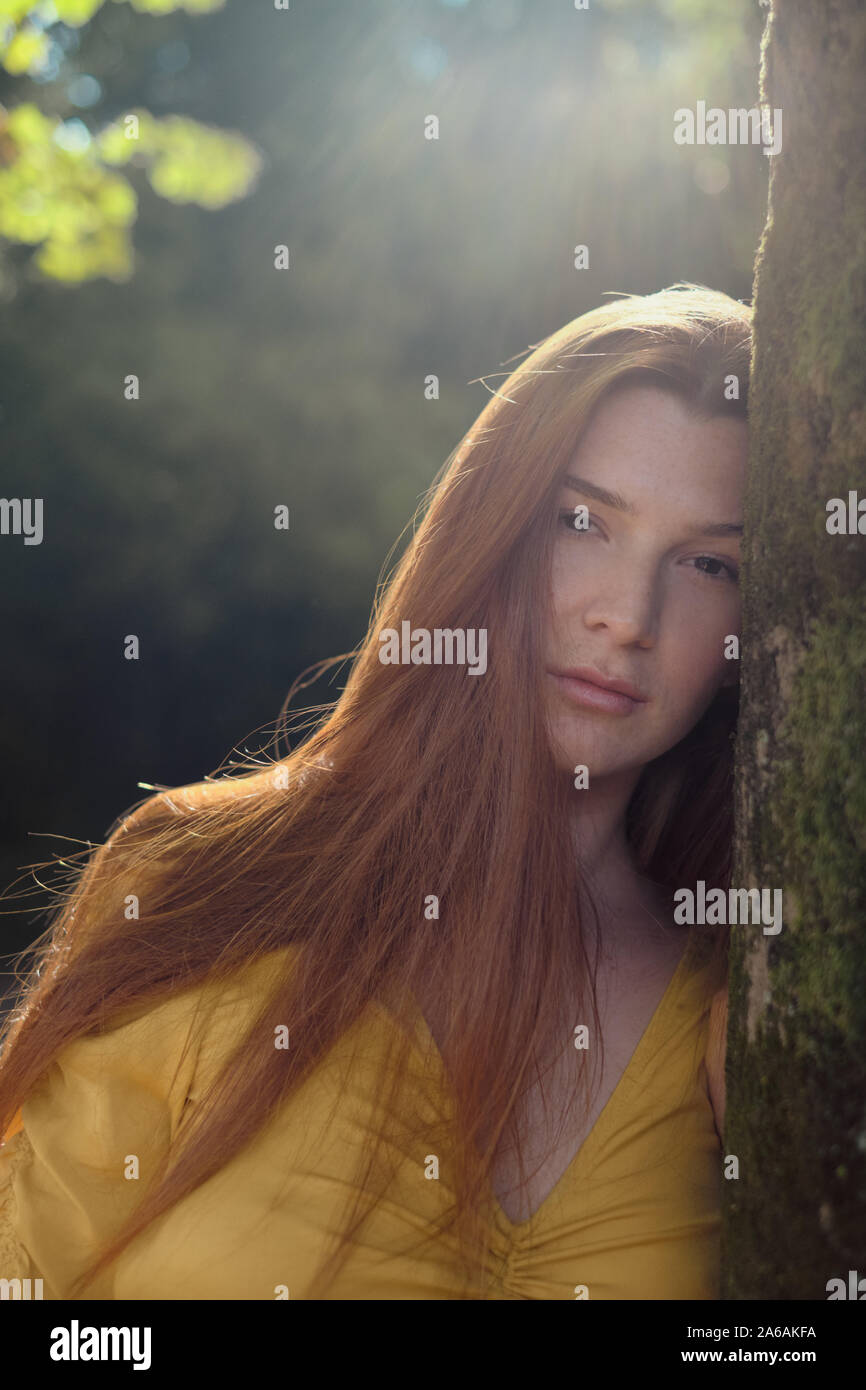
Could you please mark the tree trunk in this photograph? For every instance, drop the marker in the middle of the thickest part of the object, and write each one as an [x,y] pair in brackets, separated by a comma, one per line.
[795,1217]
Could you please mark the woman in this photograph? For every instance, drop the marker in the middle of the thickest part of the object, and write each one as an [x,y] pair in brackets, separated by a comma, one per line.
[407,1014]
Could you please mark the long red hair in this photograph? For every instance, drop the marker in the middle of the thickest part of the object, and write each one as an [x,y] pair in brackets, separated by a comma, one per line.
[419,780]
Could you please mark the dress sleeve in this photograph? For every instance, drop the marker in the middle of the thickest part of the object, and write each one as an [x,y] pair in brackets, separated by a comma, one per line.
[85,1143]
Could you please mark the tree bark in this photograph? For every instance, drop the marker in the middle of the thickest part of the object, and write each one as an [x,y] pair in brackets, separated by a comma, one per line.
[795,1217]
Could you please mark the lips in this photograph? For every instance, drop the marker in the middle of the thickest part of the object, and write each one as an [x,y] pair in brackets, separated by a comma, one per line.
[585,686]
[593,677]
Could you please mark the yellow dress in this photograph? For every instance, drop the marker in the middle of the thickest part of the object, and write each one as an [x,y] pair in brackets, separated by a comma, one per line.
[635,1216]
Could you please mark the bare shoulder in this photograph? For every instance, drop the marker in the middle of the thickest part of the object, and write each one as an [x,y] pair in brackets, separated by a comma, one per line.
[716,1055]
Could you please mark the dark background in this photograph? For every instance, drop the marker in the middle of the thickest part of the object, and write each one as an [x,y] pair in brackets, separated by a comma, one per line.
[306,386]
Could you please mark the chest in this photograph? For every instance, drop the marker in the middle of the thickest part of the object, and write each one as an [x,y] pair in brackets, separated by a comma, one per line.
[554,1121]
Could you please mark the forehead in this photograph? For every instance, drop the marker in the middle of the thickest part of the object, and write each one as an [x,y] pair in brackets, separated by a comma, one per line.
[645,442]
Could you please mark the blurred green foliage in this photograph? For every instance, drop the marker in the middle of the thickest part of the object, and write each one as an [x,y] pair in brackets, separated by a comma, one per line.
[303,387]
[24,43]
[55,191]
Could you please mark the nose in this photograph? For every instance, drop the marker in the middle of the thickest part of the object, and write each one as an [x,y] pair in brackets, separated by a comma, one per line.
[626,605]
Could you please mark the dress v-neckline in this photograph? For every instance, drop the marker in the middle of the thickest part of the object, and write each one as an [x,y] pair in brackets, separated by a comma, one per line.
[517,1229]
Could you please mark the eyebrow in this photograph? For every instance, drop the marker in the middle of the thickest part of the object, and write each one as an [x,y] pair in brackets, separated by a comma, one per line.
[619,504]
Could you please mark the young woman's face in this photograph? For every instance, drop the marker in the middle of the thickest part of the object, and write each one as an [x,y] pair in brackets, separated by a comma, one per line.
[647,594]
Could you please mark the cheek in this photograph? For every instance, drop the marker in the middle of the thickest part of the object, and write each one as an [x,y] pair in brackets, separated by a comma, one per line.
[560,584]
[560,598]
[696,653]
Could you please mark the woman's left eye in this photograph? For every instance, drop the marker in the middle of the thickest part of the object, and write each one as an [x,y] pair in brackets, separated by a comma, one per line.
[720,569]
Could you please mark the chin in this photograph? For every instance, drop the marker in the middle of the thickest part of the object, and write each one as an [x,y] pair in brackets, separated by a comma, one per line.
[601,763]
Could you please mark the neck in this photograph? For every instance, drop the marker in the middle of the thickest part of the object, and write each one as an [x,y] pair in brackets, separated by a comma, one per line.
[621,893]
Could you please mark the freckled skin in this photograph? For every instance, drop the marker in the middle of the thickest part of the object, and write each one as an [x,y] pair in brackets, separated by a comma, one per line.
[635,595]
